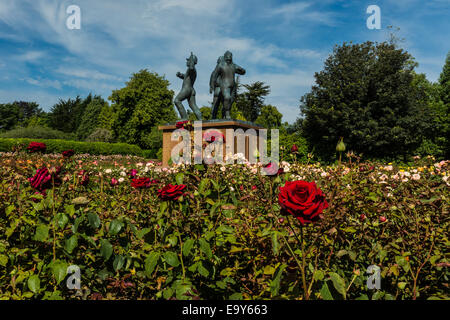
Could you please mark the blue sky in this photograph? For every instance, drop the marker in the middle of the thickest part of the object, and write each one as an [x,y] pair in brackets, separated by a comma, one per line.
[282,43]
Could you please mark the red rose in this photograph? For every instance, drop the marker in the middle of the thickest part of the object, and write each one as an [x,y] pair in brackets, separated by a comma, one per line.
[180,124]
[84,180]
[140,183]
[36,147]
[294,148]
[171,192]
[68,153]
[303,200]
[42,180]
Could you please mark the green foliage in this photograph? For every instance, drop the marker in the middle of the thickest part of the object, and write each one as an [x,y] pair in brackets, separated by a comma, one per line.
[365,94]
[90,119]
[106,117]
[66,115]
[251,101]
[221,241]
[37,132]
[18,113]
[58,146]
[286,143]
[270,117]
[100,135]
[144,103]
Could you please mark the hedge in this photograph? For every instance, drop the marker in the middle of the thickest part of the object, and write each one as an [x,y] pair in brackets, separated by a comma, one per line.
[58,146]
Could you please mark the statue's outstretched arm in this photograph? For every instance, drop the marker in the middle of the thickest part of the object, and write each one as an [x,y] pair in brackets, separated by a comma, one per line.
[180,75]
[239,70]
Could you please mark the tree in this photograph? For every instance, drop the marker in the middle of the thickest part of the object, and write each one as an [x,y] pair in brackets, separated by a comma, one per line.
[143,103]
[444,82]
[62,115]
[66,115]
[18,113]
[364,94]
[251,101]
[90,120]
[106,117]
[270,117]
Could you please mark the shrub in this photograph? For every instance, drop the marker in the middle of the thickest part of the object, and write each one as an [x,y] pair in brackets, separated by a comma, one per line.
[37,132]
[58,146]
[100,135]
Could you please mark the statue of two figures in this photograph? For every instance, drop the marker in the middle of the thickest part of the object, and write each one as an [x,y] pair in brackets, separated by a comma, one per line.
[222,84]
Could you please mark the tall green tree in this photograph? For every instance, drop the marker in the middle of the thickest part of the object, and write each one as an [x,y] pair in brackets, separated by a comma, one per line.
[364,94]
[90,120]
[444,82]
[18,113]
[142,104]
[66,115]
[270,117]
[251,101]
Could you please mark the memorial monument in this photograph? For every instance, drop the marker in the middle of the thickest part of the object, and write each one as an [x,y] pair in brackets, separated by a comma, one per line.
[223,86]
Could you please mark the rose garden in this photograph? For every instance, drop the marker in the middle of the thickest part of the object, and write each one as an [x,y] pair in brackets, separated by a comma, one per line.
[140,231]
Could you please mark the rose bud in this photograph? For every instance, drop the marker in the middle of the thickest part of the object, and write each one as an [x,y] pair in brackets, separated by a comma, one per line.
[114,182]
[382,219]
[294,148]
[362,217]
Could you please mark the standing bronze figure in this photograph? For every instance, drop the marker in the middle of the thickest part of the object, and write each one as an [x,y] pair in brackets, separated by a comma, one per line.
[223,84]
[187,90]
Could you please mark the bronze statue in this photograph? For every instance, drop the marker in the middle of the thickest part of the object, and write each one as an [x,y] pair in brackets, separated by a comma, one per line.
[187,90]
[223,84]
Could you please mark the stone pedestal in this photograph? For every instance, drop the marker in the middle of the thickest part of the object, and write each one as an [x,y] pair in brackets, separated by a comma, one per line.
[217,125]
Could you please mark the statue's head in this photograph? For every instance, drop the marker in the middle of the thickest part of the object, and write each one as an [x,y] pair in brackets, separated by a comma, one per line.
[220,60]
[228,57]
[191,60]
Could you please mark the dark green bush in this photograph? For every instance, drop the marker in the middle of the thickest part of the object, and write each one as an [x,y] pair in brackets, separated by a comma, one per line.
[37,132]
[58,146]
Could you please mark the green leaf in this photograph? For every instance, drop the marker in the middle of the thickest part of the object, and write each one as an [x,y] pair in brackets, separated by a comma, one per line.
[187,247]
[94,220]
[206,249]
[118,262]
[34,284]
[338,283]
[41,233]
[325,292]
[275,243]
[319,275]
[171,258]
[115,226]
[150,263]
[3,260]
[275,283]
[363,297]
[70,209]
[71,243]
[202,270]
[106,249]
[62,220]
[235,296]
[59,270]
[204,186]
[141,233]
[179,178]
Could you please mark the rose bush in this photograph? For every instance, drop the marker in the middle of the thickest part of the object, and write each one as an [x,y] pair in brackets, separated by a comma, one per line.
[225,238]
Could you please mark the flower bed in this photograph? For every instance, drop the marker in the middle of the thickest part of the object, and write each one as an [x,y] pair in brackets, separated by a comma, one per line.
[139,231]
